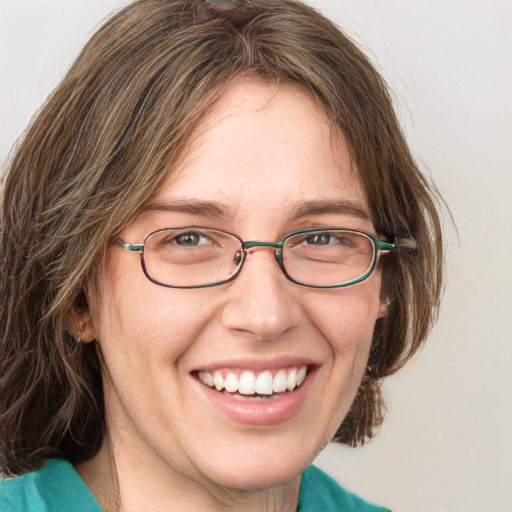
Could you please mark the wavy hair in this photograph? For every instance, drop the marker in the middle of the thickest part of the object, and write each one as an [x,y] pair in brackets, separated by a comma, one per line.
[103,145]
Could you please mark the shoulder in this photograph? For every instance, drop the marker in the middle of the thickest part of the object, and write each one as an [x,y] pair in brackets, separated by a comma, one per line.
[319,491]
[56,487]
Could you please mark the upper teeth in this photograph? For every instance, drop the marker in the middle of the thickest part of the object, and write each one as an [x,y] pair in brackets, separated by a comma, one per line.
[249,383]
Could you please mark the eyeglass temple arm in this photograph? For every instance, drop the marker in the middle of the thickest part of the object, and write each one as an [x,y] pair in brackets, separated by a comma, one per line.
[401,245]
[129,247]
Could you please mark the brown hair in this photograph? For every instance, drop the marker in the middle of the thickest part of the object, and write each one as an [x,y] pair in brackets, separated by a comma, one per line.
[103,145]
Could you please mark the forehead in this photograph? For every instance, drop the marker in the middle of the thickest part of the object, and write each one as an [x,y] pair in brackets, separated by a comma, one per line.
[264,147]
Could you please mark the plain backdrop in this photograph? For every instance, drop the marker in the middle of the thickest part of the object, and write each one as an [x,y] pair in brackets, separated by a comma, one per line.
[446,444]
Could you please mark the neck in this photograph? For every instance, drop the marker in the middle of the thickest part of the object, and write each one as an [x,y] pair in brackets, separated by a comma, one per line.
[122,483]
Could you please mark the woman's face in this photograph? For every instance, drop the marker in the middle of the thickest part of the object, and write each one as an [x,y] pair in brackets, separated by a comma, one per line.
[262,164]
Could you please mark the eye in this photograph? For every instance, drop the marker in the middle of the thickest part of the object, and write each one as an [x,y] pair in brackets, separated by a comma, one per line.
[325,242]
[319,239]
[190,239]
[327,238]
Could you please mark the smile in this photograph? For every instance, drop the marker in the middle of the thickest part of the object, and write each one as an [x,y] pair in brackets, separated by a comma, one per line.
[249,384]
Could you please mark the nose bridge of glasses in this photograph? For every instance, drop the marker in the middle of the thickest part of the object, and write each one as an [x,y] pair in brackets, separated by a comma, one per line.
[277,246]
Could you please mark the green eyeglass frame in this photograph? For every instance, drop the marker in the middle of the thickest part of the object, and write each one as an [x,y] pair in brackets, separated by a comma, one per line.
[404,245]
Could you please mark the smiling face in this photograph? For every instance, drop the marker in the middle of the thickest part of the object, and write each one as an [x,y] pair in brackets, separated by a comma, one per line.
[262,164]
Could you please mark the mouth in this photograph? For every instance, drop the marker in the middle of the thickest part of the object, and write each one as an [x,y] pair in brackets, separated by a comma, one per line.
[248,385]
[255,394]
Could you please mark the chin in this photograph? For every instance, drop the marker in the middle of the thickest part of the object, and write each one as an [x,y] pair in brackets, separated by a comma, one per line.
[270,466]
[259,477]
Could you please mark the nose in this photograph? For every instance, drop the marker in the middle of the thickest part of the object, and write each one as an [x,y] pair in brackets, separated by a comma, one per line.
[262,302]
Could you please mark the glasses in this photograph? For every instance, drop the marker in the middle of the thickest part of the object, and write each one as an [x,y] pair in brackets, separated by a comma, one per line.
[198,257]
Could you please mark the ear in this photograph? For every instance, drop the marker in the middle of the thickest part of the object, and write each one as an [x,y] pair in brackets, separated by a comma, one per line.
[79,324]
[383,308]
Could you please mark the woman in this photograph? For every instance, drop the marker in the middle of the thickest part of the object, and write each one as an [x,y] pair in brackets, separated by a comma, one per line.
[289,258]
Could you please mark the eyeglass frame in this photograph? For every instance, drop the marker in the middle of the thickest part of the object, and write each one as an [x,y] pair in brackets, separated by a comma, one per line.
[404,245]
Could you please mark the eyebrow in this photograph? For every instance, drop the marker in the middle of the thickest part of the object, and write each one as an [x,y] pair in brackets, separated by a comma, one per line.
[331,206]
[192,206]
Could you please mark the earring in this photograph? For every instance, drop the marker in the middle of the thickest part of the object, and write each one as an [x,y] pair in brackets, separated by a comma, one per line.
[222,6]
[80,329]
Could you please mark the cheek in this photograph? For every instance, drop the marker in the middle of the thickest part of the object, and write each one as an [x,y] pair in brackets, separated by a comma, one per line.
[347,317]
[137,322]
[143,327]
[153,324]
[346,321]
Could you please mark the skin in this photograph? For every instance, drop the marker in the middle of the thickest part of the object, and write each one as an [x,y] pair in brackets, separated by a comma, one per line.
[260,154]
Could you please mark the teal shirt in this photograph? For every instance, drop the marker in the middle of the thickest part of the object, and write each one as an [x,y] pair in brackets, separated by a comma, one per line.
[57,487]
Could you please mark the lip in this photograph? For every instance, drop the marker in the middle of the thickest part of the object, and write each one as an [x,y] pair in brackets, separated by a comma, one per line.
[261,412]
[257,365]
